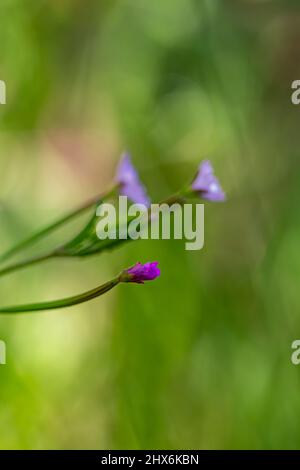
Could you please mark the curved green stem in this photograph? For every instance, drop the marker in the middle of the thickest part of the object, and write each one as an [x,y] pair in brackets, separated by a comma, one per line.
[52,227]
[25,263]
[67,302]
[60,252]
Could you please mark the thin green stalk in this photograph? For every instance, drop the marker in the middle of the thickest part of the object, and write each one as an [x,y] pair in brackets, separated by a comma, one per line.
[62,303]
[28,262]
[58,252]
[52,227]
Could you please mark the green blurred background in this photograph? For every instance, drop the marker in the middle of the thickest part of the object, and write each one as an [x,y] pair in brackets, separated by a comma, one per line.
[200,358]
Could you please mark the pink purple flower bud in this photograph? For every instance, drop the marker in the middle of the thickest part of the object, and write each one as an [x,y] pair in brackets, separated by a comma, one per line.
[130,183]
[206,183]
[140,273]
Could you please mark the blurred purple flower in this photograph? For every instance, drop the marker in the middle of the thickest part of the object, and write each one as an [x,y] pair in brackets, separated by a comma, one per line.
[130,183]
[206,183]
[141,272]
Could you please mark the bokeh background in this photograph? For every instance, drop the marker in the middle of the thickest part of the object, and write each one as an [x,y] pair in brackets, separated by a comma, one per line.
[200,358]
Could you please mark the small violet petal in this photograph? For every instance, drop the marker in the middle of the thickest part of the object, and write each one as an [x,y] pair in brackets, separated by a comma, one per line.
[130,183]
[143,272]
[207,184]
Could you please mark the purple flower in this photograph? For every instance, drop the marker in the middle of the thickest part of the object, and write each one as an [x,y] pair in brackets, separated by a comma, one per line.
[141,272]
[130,183]
[206,183]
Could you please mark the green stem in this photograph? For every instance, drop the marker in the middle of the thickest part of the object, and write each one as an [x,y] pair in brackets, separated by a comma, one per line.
[59,252]
[25,263]
[50,228]
[68,302]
